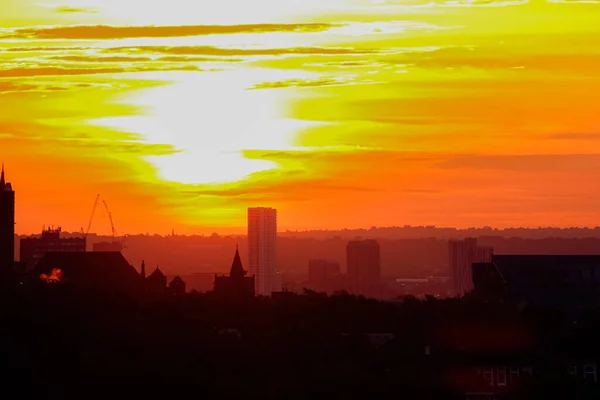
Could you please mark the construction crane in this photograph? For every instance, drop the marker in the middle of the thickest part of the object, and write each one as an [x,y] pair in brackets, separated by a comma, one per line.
[112,224]
[92,216]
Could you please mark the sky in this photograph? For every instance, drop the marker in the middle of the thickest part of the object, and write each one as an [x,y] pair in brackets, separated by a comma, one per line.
[339,113]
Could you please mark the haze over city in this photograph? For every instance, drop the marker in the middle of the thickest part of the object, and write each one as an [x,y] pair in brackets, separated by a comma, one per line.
[183,114]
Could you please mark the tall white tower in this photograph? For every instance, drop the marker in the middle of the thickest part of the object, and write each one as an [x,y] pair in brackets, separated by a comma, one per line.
[262,249]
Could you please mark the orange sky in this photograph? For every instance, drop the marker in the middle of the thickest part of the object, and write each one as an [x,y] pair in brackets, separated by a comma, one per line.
[340,113]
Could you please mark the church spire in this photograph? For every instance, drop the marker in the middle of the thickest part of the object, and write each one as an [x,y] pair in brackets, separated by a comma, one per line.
[237,269]
[2,180]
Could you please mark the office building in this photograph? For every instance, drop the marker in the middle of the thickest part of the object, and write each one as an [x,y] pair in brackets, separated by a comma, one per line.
[462,254]
[363,267]
[324,275]
[33,248]
[262,249]
[7,223]
[570,283]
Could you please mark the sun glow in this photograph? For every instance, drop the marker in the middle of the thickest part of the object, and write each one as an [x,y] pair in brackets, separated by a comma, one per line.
[203,11]
[210,119]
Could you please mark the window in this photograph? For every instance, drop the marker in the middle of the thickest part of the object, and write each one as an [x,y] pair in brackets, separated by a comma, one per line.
[589,373]
[501,376]
[572,370]
[514,373]
[488,374]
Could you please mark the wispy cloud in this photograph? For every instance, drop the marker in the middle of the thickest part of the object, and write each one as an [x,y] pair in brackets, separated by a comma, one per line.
[60,71]
[530,163]
[222,51]
[320,82]
[123,32]
[75,10]
[138,59]
[14,87]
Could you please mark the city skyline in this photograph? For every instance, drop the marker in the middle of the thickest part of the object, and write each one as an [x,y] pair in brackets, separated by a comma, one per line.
[185,114]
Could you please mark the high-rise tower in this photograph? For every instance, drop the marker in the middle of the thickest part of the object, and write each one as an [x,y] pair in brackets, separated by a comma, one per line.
[363,267]
[7,223]
[262,249]
[462,255]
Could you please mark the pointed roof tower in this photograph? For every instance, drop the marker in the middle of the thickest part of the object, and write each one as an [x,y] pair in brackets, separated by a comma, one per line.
[2,180]
[237,269]
[157,273]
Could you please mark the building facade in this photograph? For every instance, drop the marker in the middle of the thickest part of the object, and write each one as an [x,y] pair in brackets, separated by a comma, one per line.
[363,267]
[462,254]
[262,250]
[93,271]
[7,223]
[156,283]
[324,275]
[570,283]
[33,248]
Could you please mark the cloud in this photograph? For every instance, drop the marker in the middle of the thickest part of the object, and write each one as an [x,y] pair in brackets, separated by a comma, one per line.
[220,51]
[123,32]
[59,71]
[527,163]
[13,87]
[74,10]
[206,50]
[33,85]
[123,147]
[320,82]
[137,59]
[267,189]
[34,49]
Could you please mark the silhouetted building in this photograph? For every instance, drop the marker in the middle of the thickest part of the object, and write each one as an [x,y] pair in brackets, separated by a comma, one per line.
[107,246]
[237,284]
[156,283]
[201,282]
[33,248]
[462,254]
[567,282]
[7,223]
[324,275]
[108,271]
[177,286]
[262,249]
[364,267]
